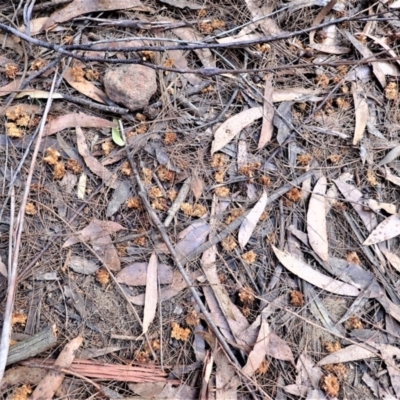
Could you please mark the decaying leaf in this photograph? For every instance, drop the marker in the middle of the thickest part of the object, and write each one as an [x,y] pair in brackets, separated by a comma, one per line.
[136,274]
[53,379]
[82,265]
[268,115]
[260,350]
[361,111]
[387,229]
[80,7]
[92,163]
[84,86]
[349,353]
[183,4]
[151,295]
[76,119]
[98,234]
[316,220]
[391,156]
[231,127]
[309,274]
[250,221]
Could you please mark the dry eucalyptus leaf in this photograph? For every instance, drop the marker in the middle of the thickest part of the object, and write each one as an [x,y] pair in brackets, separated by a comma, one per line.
[316,278]
[76,119]
[349,353]
[361,111]
[268,115]
[151,294]
[82,265]
[251,220]
[85,87]
[316,220]
[183,4]
[91,162]
[232,126]
[387,229]
[80,7]
[136,274]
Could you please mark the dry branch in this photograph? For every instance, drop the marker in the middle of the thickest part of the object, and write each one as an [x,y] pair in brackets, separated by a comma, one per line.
[42,341]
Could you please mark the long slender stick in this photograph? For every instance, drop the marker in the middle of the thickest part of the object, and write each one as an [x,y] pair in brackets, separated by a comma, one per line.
[12,283]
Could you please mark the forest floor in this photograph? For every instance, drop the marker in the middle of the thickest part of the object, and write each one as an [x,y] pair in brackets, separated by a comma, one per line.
[199,200]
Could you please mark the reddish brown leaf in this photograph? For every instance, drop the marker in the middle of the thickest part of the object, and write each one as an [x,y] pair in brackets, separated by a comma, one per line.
[79,7]
[76,119]
[53,379]
[92,163]
[85,87]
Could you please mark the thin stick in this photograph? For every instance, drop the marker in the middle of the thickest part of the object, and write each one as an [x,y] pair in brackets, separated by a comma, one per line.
[6,332]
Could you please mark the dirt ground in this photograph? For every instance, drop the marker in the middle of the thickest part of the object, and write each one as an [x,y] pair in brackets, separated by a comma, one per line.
[232,235]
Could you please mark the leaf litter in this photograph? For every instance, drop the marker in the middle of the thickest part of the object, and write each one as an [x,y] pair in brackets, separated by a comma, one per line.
[271,168]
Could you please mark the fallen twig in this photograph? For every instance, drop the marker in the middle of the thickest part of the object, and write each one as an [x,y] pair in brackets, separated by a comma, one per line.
[6,332]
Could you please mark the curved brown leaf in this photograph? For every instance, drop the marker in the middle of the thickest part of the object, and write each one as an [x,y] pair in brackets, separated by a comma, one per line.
[309,274]
[232,126]
[76,119]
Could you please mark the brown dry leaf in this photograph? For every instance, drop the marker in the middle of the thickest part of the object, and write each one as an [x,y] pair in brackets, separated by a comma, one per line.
[391,354]
[135,274]
[183,4]
[53,379]
[251,220]
[320,16]
[98,233]
[38,94]
[9,88]
[391,177]
[85,87]
[208,265]
[267,25]
[191,238]
[260,349]
[296,94]
[10,41]
[309,274]
[178,284]
[387,229]
[391,156]
[268,115]
[361,111]
[353,196]
[190,35]
[226,379]
[367,53]
[76,119]
[92,163]
[151,295]
[316,220]
[197,186]
[232,126]
[349,353]
[80,7]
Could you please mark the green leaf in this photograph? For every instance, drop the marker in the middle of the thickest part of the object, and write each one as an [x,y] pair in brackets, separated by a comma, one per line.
[116,136]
